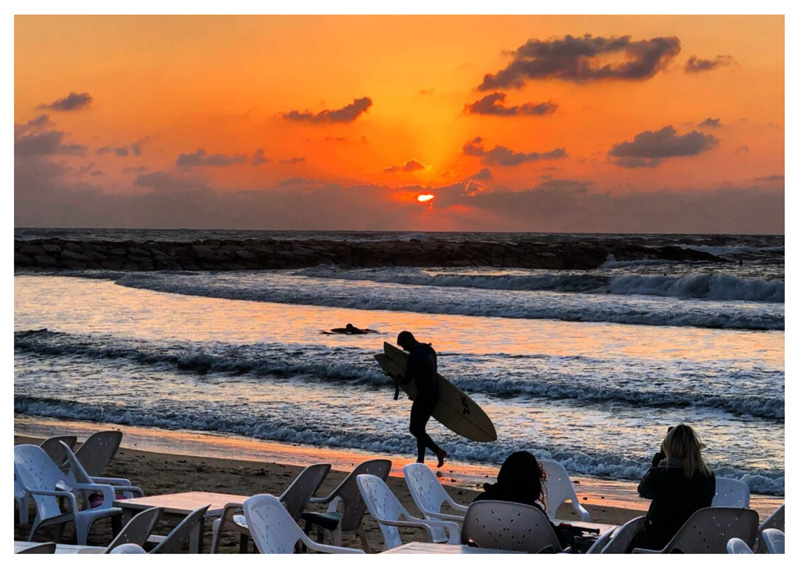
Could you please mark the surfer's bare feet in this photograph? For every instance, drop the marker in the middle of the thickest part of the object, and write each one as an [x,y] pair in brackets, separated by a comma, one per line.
[441,454]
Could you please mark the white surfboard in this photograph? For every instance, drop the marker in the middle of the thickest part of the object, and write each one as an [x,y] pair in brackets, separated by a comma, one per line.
[455,410]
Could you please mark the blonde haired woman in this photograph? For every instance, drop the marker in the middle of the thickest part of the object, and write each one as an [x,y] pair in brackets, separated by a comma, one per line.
[679,483]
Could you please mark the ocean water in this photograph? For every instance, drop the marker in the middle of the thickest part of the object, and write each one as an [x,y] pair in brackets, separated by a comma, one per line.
[585,367]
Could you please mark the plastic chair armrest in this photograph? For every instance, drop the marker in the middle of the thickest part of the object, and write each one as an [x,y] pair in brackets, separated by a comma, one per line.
[456,506]
[645,551]
[327,548]
[66,494]
[108,492]
[444,517]
[112,480]
[585,516]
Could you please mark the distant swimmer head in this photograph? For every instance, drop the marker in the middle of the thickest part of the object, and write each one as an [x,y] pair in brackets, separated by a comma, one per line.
[406,340]
[349,327]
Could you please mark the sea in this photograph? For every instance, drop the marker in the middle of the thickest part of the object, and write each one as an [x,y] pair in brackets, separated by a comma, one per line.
[587,367]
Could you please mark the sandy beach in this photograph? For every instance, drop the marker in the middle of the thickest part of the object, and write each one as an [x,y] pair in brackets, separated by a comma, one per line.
[162,473]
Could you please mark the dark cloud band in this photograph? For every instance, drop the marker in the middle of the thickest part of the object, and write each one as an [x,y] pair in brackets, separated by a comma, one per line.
[345,114]
[494,104]
[73,101]
[650,148]
[503,156]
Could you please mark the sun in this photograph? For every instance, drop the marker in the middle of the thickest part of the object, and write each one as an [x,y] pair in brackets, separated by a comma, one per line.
[425,197]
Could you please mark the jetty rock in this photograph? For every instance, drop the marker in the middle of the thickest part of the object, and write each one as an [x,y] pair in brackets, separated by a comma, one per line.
[264,254]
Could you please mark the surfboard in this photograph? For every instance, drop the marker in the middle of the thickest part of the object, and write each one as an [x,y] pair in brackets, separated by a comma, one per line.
[455,409]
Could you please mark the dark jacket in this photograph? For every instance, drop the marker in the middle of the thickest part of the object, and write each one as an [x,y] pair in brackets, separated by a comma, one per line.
[674,498]
[422,369]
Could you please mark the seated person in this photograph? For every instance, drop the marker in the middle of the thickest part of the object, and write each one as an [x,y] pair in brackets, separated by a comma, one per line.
[520,480]
[679,483]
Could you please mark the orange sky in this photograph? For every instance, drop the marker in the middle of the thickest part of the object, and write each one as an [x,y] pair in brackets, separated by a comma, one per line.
[216,89]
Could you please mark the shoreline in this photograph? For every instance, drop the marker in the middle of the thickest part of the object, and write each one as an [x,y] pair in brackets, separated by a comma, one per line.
[597,494]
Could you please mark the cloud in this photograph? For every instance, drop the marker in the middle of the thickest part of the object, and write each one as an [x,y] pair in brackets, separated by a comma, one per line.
[120,151]
[710,123]
[73,101]
[45,144]
[295,160]
[97,173]
[259,158]
[201,158]
[584,59]
[696,65]
[485,173]
[777,178]
[742,149]
[41,121]
[169,181]
[345,114]
[409,166]
[135,170]
[502,156]
[649,148]
[494,105]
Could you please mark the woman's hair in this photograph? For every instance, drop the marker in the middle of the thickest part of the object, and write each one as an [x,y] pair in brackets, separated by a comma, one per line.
[522,471]
[683,444]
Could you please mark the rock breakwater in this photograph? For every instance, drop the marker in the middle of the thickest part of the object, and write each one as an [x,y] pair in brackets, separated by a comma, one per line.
[261,254]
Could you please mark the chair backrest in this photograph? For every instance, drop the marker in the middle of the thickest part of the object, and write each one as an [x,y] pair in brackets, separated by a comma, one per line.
[35,470]
[98,449]
[622,538]
[76,471]
[557,487]
[708,530]
[738,546]
[774,540]
[52,447]
[731,493]
[44,548]
[174,542]
[137,530]
[295,498]
[504,525]
[272,528]
[598,545]
[426,491]
[383,506]
[129,548]
[774,521]
[352,501]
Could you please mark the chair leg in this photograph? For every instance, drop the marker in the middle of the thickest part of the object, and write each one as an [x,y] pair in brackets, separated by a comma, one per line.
[363,534]
[243,543]
[35,526]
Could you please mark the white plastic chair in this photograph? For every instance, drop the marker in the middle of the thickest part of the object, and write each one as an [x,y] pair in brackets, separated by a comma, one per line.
[181,535]
[598,545]
[503,525]
[274,531]
[429,495]
[333,523]
[731,493]
[558,489]
[23,501]
[44,548]
[388,512]
[52,447]
[129,548]
[137,530]
[295,499]
[774,540]
[738,546]
[77,473]
[623,536]
[708,531]
[45,482]
[774,521]
[98,449]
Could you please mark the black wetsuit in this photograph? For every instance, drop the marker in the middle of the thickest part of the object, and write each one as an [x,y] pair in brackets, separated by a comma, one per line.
[421,368]
[674,498]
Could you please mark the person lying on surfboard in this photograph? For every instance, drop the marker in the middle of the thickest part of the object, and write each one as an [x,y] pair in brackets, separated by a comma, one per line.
[421,368]
[350,329]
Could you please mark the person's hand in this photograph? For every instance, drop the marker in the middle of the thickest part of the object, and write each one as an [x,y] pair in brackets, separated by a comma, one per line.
[660,455]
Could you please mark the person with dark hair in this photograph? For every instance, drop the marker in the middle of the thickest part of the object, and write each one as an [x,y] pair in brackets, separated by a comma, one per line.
[679,483]
[521,480]
[422,369]
[350,329]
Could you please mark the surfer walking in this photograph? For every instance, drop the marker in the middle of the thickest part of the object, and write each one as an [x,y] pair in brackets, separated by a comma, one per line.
[422,369]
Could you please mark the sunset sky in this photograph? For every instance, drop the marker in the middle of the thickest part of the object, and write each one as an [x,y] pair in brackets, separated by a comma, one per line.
[511,123]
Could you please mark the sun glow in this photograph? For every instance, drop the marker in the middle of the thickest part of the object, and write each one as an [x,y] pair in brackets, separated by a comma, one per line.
[425,197]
